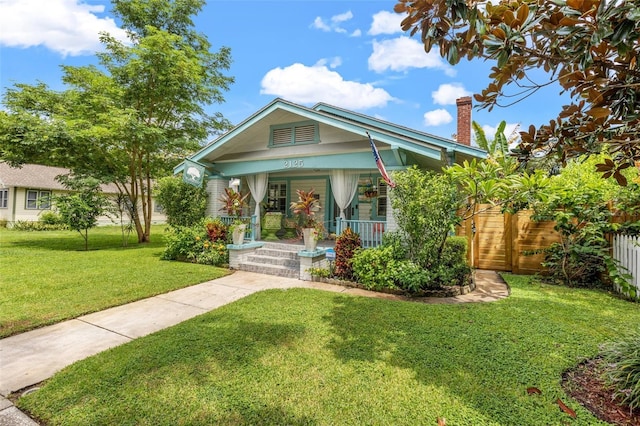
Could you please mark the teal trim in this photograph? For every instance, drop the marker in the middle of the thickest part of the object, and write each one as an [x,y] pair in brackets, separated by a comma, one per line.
[405,131]
[354,160]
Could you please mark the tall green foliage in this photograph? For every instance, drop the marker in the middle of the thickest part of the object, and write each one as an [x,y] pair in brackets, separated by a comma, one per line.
[132,119]
[425,205]
[184,204]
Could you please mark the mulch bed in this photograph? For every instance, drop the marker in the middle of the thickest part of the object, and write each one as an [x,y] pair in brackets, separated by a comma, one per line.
[585,384]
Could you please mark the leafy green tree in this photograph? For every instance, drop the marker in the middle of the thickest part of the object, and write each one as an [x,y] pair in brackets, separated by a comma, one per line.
[425,206]
[590,47]
[134,117]
[184,204]
[83,205]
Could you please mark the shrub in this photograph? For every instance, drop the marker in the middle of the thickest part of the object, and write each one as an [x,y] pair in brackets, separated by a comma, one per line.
[26,225]
[412,278]
[193,244]
[346,245]
[49,217]
[425,205]
[184,204]
[453,268]
[375,268]
[624,372]
[319,272]
[216,230]
[385,268]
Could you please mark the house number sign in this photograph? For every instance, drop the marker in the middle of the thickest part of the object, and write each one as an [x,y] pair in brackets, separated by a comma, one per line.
[293,164]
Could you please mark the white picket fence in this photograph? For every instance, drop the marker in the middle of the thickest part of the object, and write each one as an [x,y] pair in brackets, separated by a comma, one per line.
[626,251]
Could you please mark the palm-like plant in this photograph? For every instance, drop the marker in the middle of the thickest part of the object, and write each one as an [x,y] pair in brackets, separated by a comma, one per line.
[306,207]
[233,202]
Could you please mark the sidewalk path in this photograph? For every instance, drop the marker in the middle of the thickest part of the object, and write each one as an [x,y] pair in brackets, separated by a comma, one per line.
[29,358]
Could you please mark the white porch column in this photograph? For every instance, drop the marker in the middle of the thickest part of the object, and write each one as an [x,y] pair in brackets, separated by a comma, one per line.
[392,224]
[215,189]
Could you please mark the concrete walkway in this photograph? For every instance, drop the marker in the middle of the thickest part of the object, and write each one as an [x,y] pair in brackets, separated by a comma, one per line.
[29,358]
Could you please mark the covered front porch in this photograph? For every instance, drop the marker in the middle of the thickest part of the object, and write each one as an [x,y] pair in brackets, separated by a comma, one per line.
[282,230]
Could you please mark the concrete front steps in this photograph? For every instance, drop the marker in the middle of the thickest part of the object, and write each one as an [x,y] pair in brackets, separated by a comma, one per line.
[274,259]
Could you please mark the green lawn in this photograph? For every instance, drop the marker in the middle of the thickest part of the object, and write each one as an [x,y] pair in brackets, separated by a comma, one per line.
[47,277]
[308,357]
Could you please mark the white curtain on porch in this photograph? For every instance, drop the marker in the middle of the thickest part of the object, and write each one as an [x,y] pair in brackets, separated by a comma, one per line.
[258,187]
[344,184]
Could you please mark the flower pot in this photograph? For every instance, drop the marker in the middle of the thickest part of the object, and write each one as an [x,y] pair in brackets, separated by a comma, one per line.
[310,236]
[238,234]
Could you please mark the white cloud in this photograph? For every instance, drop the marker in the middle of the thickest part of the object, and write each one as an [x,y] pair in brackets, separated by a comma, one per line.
[448,93]
[385,22]
[334,24]
[343,17]
[309,85]
[510,130]
[334,62]
[69,27]
[403,53]
[319,24]
[437,117]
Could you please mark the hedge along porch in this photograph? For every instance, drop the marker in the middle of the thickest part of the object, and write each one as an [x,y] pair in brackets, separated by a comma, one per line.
[284,147]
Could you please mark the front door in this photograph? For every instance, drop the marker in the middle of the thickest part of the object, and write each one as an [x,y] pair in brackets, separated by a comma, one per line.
[350,213]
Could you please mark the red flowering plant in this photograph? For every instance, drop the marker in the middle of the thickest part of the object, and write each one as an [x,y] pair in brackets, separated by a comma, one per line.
[305,208]
[233,202]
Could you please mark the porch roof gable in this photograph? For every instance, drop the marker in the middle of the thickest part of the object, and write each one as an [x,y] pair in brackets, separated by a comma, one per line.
[397,137]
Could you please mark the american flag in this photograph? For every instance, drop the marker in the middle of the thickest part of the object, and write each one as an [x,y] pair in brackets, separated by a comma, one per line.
[380,164]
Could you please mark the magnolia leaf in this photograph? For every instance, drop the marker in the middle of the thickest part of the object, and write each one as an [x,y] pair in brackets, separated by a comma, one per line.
[442,421]
[533,390]
[620,178]
[566,409]
[599,112]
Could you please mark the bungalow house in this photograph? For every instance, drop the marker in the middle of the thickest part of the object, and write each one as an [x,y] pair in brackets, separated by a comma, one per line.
[285,147]
[26,192]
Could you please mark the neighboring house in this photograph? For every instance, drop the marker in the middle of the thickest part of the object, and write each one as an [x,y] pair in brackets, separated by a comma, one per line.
[26,192]
[284,147]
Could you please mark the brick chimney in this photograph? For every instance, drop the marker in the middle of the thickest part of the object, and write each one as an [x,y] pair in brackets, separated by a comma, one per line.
[464,120]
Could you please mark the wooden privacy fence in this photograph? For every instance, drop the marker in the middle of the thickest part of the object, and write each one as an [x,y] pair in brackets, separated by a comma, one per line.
[626,250]
[500,239]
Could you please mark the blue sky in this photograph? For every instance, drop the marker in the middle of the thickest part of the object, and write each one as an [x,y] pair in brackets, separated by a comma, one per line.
[350,54]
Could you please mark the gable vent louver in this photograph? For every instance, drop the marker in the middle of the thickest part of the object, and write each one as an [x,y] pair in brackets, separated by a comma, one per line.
[305,133]
[282,136]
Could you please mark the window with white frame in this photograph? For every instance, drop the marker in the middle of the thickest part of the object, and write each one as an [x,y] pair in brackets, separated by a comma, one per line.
[382,198]
[294,134]
[4,198]
[38,199]
[277,197]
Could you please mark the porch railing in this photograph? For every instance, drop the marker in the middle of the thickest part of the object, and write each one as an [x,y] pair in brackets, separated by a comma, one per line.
[370,231]
[252,221]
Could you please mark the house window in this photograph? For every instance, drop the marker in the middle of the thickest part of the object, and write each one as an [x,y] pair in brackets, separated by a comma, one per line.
[294,134]
[38,200]
[4,198]
[157,208]
[382,198]
[277,197]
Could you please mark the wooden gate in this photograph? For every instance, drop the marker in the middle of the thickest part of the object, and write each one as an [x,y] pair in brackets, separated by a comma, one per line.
[500,241]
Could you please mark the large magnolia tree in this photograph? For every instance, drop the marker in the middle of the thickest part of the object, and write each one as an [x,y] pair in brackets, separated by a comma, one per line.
[132,119]
[590,47]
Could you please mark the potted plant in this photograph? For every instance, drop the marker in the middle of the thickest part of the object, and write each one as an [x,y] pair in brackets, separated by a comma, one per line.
[305,209]
[233,203]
